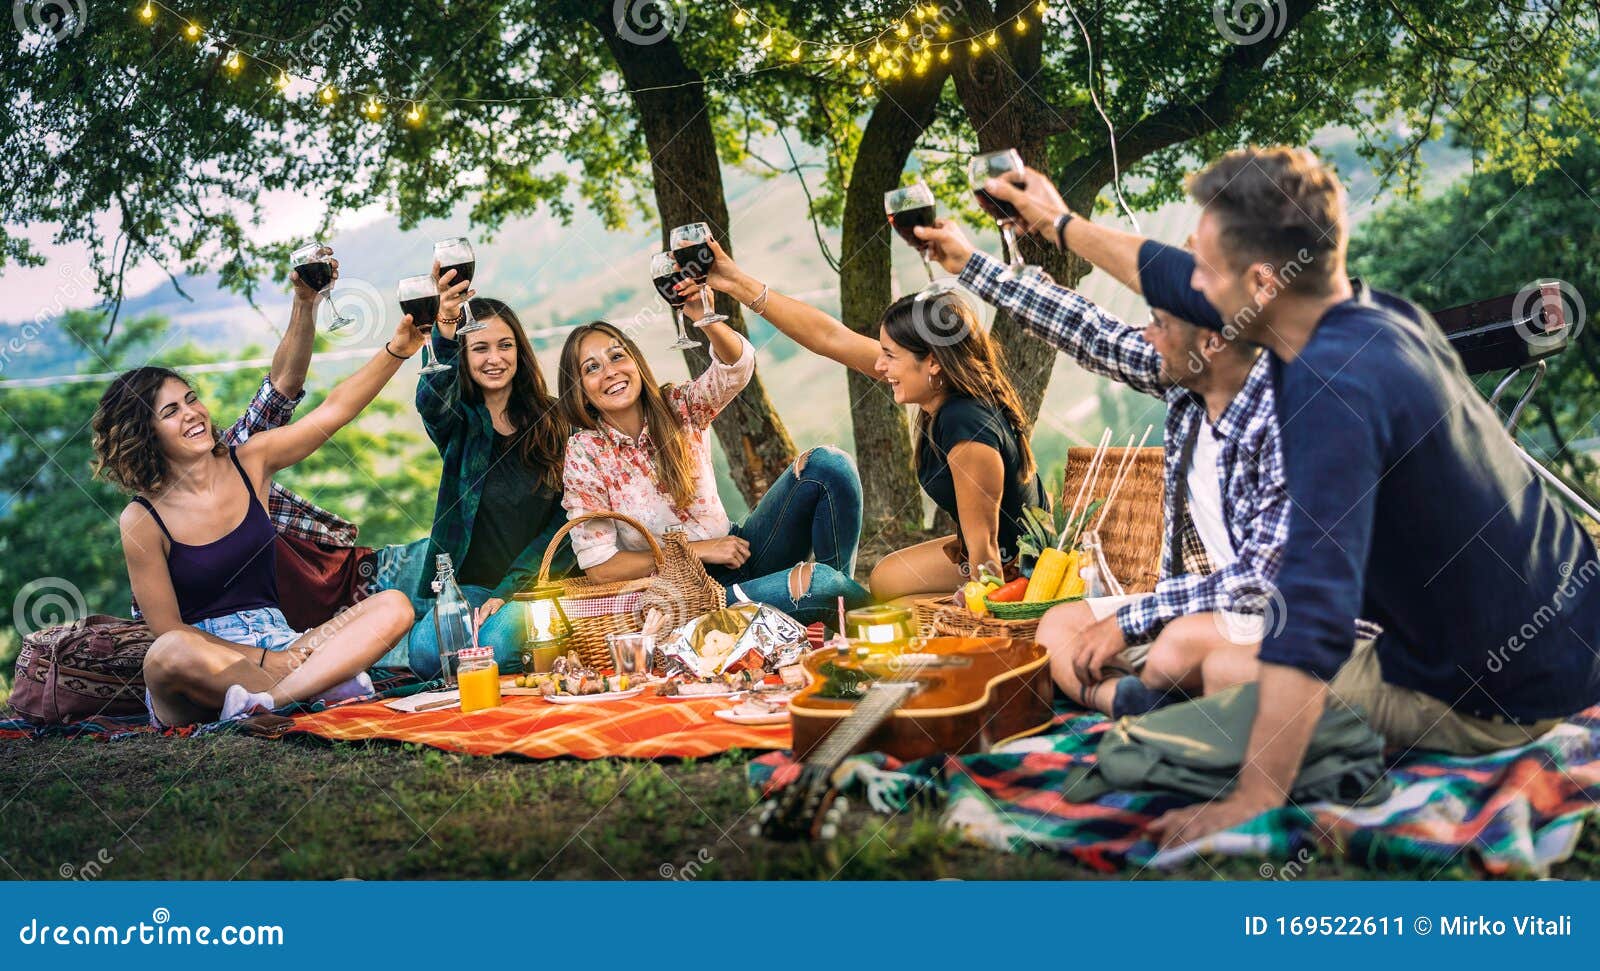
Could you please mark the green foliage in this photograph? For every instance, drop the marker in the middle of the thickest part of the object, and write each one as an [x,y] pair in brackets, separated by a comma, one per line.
[1492,234]
[57,520]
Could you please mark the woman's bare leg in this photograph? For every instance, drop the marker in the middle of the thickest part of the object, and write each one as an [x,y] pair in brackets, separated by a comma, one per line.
[187,672]
[923,568]
[337,651]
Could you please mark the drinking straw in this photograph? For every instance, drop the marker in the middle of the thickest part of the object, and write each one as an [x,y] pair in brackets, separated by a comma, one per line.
[1124,469]
[1072,515]
[841,617]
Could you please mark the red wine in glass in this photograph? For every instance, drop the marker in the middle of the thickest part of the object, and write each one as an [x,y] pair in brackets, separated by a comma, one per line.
[665,276]
[456,254]
[999,165]
[313,264]
[419,297]
[691,249]
[907,208]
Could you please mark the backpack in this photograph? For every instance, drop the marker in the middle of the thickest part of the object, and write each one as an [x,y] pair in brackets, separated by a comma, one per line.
[93,666]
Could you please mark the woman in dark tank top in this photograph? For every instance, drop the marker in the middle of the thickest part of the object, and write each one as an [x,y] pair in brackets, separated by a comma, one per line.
[200,547]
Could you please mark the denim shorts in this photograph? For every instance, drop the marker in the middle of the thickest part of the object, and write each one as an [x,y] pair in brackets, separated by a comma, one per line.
[260,627]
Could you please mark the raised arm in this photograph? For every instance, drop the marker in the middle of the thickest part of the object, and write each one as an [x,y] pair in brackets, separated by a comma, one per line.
[1040,209]
[804,324]
[279,448]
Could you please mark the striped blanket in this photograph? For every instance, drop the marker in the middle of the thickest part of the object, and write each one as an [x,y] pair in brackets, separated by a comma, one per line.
[1513,813]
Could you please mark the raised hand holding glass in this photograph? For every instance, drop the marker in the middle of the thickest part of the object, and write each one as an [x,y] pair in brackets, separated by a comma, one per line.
[691,249]
[313,263]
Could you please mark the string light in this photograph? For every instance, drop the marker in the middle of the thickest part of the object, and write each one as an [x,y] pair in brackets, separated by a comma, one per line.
[992,39]
[192,31]
[327,94]
[741,18]
[232,62]
[1041,8]
[1022,25]
[414,116]
[372,109]
[974,49]
[147,13]
[283,81]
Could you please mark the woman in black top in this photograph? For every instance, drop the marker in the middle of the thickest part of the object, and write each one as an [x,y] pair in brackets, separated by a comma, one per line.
[972,452]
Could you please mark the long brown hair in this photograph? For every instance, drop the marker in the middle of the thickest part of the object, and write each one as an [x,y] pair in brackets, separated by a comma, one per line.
[541,429]
[126,452]
[673,459]
[972,364]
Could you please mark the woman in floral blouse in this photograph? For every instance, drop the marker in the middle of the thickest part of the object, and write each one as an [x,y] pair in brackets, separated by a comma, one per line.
[641,448]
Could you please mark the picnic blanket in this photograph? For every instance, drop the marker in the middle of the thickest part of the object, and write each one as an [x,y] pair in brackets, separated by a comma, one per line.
[1515,813]
[644,727]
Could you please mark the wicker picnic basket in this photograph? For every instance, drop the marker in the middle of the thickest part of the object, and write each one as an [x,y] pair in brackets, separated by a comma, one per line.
[1130,537]
[680,588]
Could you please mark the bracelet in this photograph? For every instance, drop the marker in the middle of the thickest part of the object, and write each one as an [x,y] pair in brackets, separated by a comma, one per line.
[759,304]
[393,354]
[452,321]
[1061,229]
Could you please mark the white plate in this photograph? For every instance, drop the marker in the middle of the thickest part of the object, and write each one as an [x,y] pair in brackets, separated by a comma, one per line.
[770,718]
[728,695]
[603,696]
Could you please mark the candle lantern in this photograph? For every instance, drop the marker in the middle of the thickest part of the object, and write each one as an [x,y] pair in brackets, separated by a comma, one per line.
[549,630]
[880,627]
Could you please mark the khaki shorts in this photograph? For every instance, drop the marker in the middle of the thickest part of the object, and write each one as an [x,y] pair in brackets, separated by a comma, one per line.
[1237,628]
[1409,719]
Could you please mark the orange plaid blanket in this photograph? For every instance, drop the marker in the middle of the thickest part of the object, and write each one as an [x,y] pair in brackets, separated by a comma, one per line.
[645,727]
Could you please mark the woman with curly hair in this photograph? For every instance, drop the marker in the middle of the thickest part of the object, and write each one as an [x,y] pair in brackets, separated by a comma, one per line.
[200,547]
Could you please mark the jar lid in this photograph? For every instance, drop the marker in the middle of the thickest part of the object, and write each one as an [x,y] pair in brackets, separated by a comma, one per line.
[476,654]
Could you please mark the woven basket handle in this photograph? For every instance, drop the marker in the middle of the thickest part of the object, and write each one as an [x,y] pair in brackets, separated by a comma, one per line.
[555,541]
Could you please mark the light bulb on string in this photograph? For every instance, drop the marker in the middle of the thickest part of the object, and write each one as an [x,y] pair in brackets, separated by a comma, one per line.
[944,30]
[944,54]
[372,109]
[192,31]
[327,94]
[283,81]
[974,48]
[741,18]
[866,90]
[147,13]
[1022,25]
[794,54]
[766,42]
[414,116]
[903,29]
[992,39]
[232,62]
[1041,8]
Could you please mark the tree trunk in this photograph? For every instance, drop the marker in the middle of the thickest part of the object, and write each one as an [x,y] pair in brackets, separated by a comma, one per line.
[688,188]
[890,490]
[1005,113]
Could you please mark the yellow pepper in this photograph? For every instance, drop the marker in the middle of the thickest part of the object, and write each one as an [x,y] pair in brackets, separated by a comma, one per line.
[973,593]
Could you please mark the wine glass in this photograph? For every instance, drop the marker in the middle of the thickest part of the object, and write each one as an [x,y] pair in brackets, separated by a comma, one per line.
[664,273]
[456,254]
[691,248]
[907,208]
[994,165]
[313,264]
[419,297]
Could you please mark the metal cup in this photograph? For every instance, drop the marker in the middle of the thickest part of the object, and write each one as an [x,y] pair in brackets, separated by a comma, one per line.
[631,653]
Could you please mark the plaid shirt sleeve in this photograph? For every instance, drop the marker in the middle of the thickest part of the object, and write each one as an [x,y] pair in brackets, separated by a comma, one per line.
[1243,586]
[270,408]
[1099,341]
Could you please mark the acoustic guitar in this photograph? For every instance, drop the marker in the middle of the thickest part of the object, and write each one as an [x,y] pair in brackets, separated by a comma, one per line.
[951,695]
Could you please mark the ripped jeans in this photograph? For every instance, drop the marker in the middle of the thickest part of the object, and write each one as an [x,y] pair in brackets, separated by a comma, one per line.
[815,511]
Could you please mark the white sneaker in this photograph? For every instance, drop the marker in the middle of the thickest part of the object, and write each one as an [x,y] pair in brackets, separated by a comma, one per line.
[238,703]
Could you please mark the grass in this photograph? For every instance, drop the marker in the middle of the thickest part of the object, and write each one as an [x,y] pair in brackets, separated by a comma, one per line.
[232,807]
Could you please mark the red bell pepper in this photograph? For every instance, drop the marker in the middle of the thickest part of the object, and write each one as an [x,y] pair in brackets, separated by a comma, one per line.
[1011,592]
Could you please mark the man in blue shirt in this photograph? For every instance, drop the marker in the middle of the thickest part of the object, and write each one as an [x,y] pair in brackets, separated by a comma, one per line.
[1409,506]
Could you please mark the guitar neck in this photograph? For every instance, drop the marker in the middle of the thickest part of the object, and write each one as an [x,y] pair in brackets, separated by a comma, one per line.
[873,710]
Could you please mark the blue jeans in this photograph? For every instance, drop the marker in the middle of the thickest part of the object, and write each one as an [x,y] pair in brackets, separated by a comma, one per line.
[816,511]
[506,632]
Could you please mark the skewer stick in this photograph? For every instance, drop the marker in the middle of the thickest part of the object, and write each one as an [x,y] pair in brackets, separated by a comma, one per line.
[1072,514]
[1124,469]
[1092,474]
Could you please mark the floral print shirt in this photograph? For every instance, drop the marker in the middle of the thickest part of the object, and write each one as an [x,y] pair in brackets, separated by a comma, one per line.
[607,470]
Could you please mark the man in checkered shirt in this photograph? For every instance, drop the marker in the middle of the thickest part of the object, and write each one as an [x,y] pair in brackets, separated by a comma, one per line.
[1226,509]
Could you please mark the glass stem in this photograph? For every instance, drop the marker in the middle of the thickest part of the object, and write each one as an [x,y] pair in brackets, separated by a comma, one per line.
[1010,236]
[927,264]
[678,318]
[705,301]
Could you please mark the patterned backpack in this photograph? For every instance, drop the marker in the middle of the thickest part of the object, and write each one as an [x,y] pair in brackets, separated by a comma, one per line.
[93,666]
